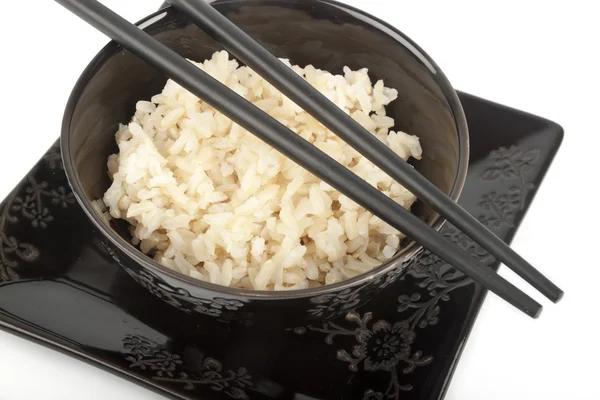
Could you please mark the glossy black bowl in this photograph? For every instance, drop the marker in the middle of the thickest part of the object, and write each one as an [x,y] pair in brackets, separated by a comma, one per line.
[326,34]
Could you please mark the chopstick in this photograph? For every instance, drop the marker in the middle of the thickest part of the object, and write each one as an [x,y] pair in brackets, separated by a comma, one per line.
[325,111]
[293,146]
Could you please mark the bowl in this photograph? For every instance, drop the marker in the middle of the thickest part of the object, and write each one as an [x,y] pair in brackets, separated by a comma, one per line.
[326,34]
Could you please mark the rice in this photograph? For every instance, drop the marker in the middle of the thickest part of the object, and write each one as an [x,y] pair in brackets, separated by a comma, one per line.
[208,199]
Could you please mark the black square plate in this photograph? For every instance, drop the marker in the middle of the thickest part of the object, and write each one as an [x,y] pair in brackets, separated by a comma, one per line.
[58,286]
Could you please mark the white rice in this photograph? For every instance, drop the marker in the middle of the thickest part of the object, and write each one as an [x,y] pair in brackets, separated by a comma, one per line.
[208,199]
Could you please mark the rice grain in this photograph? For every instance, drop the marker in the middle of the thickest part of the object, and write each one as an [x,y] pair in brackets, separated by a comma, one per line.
[206,198]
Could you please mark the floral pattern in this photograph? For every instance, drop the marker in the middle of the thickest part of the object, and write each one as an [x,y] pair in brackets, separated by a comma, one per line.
[31,204]
[331,304]
[510,164]
[145,356]
[181,298]
[386,346]
[391,276]
[53,158]
[372,395]
[62,197]
[216,306]
[169,368]
[12,250]
[336,304]
[379,347]
[434,273]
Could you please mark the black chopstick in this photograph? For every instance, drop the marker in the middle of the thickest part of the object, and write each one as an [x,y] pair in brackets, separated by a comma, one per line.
[302,93]
[293,146]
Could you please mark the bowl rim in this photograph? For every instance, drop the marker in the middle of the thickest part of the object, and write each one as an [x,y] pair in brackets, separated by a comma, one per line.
[406,254]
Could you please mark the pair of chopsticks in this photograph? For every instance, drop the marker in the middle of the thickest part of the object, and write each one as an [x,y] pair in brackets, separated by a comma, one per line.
[308,156]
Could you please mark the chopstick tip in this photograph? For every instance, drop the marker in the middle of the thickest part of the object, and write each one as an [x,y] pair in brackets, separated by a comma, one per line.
[558,296]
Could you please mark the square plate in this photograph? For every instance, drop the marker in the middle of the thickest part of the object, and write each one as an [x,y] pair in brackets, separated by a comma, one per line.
[59,287]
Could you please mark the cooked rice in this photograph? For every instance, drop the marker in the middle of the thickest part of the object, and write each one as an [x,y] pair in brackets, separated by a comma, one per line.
[208,199]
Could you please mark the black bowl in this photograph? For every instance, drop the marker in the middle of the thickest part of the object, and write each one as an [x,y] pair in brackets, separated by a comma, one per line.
[324,33]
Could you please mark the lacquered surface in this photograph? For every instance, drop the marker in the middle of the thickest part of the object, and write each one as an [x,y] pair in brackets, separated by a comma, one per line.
[58,285]
[326,34]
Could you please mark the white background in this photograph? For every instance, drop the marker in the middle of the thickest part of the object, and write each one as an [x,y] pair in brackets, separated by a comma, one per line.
[539,56]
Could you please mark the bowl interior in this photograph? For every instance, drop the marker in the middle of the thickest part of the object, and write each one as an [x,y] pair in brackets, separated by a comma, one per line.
[326,35]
